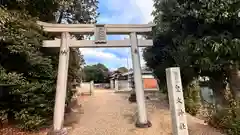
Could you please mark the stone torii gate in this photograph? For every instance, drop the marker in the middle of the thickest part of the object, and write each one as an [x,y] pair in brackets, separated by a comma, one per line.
[100,32]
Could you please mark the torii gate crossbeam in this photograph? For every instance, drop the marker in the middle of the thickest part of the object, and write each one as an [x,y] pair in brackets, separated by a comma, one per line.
[100,32]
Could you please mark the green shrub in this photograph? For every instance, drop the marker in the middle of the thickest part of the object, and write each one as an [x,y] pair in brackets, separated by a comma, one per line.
[226,119]
[30,104]
[31,70]
[192,107]
[234,127]
[192,98]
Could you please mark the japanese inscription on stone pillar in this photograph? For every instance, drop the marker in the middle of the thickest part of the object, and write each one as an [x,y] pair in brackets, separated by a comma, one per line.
[176,101]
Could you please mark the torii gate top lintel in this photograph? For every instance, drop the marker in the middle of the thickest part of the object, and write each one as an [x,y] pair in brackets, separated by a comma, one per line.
[90,28]
[100,31]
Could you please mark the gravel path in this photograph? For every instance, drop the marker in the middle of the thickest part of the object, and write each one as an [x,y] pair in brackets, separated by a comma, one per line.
[109,113]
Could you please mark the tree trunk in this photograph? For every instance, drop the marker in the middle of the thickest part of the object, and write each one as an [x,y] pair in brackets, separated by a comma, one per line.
[234,82]
[60,16]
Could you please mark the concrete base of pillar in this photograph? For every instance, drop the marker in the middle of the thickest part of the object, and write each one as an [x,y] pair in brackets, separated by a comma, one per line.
[143,125]
[58,132]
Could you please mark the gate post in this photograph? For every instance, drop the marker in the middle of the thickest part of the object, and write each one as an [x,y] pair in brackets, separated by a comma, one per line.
[111,84]
[61,88]
[91,87]
[116,85]
[142,113]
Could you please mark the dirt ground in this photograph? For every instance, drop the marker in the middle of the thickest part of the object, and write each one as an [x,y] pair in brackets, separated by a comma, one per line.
[109,113]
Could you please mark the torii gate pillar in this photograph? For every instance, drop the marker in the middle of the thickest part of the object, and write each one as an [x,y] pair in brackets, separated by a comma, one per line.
[61,82]
[142,113]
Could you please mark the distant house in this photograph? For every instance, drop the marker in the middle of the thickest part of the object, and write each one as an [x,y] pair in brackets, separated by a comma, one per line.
[122,81]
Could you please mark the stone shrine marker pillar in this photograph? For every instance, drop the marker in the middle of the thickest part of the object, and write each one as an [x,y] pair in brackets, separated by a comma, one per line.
[176,101]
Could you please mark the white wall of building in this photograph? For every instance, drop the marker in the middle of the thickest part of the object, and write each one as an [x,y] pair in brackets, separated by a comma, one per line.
[85,87]
[123,84]
[147,76]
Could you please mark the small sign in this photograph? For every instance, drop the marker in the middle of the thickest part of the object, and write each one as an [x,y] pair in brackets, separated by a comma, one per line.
[100,34]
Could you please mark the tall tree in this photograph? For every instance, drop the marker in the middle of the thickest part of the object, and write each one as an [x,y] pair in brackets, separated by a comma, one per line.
[99,73]
[27,65]
[44,10]
[202,37]
[122,69]
[77,11]
[72,12]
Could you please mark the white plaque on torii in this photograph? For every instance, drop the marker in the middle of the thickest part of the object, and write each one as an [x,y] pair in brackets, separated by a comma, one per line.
[100,34]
